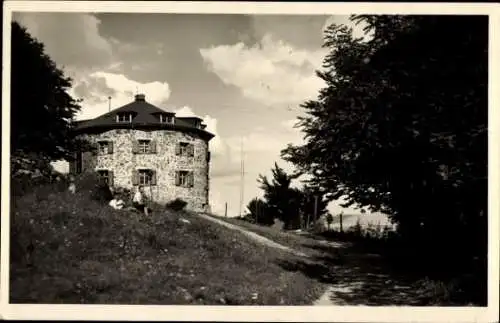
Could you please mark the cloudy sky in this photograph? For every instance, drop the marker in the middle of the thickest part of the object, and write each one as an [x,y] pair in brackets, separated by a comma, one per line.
[245,75]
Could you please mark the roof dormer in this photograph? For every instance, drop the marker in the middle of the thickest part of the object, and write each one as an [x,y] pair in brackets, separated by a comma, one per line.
[166,118]
[193,122]
[143,115]
[124,117]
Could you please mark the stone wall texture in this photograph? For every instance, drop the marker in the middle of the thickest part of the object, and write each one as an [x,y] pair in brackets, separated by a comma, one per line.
[123,161]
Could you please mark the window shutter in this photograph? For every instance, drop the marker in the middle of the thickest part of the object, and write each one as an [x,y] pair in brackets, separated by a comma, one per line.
[135,147]
[110,178]
[178,149]
[152,146]
[191,150]
[177,179]
[191,179]
[94,148]
[110,147]
[135,177]
[153,177]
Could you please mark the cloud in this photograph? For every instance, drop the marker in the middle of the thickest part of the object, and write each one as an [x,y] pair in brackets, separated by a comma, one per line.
[95,89]
[261,149]
[70,39]
[302,31]
[290,124]
[271,72]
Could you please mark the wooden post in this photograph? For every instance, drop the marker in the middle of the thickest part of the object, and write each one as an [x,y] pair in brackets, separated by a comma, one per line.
[340,221]
[225,212]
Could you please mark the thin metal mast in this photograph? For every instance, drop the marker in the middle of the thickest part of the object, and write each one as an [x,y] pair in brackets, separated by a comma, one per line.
[242,178]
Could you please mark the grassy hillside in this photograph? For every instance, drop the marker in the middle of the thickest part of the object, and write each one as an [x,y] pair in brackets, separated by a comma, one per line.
[86,252]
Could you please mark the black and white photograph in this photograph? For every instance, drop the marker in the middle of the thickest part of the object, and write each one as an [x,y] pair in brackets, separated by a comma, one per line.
[236,158]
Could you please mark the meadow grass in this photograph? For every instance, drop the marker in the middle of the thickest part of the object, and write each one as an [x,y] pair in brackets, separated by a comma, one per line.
[70,249]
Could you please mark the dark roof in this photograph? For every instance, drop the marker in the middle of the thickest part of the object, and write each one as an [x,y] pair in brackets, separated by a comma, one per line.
[145,115]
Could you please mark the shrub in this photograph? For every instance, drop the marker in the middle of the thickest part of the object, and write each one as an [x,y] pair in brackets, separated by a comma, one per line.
[90,185]
[176,205]
[318,227]
[22,184]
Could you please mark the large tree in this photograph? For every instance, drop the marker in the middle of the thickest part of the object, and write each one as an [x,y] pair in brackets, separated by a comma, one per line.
[42,111]
[401,125]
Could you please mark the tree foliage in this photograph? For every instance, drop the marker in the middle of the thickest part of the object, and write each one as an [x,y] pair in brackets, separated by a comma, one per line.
[42,111]
[259,212]
[401,126]
[282,200]
[291,205]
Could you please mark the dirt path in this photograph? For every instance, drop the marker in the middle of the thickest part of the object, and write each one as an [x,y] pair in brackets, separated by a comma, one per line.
[352,277]
[255,236]
[325,299]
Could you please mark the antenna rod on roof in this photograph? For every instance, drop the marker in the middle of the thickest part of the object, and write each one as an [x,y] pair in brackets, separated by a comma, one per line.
[109,103]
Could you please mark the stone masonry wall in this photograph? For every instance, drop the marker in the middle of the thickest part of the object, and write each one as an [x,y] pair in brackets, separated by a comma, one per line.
[165,162]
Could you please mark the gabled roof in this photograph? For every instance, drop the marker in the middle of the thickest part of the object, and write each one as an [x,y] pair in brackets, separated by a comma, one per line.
[145,115]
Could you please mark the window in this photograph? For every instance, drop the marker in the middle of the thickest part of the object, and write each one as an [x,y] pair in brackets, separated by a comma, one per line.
[144,146]
[105,147]
[106,176]
[124,117]
[145,177]
[165,118]
[184,178]
[185,149]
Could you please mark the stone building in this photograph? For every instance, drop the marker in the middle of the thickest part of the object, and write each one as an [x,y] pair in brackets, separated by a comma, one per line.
[141,144]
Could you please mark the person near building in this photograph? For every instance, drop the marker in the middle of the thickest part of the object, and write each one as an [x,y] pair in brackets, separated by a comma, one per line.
[116,203]
[139,200]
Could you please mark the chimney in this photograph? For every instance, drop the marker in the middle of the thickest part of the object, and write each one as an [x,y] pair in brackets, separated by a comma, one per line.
[140,97]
